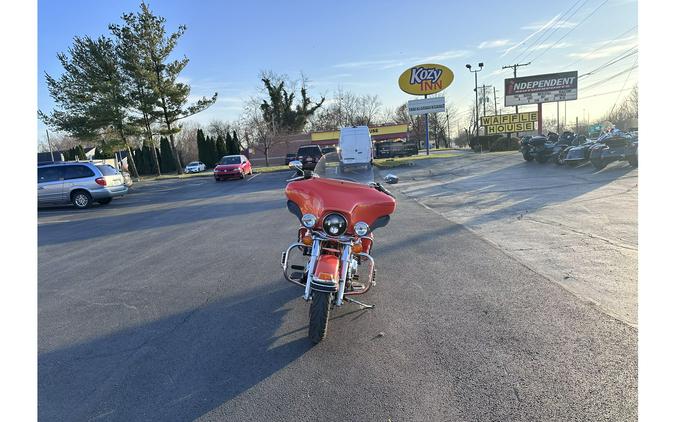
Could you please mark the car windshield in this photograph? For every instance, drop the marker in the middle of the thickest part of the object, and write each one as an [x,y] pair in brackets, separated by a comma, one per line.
[231,160]
[194,163]
[329,167]
[311,151]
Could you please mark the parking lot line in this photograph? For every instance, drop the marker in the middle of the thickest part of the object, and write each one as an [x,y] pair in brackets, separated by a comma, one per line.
[251,178]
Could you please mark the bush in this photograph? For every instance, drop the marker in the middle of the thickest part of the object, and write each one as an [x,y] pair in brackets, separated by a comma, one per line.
[503,144]
[491,143]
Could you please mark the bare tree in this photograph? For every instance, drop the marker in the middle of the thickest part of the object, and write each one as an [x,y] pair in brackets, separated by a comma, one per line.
[348,109]
[218,128]
[258,132]
[186,141]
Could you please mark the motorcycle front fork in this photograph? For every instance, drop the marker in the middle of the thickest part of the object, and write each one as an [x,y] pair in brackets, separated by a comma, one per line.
[346,261]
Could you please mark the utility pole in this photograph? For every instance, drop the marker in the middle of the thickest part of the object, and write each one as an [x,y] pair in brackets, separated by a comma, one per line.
[515,75]
[49,143]
[475,74]
[557,118]
[515,71]
[494,97]
[577,132]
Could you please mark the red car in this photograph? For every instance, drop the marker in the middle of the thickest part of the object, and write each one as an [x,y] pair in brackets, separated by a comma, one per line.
[232,166]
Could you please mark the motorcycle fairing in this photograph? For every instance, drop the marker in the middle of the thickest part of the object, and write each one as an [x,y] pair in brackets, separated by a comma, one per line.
[357,202]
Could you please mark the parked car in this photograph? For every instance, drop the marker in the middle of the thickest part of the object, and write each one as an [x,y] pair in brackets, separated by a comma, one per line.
[195,167]
[289,158]
[232,166]
[309,155]
[78,183]
[356,147]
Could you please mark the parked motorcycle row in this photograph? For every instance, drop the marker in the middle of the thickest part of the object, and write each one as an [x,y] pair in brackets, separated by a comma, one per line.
[573,150]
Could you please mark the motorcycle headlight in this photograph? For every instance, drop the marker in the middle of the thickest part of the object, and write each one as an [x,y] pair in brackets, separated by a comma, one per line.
[361,228]
[334,224]
[308,220]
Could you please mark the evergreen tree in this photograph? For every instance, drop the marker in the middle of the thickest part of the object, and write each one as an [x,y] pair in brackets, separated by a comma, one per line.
[202,147]
[79,151]
[166,156]
[236,146]
[91,94]
[232,147]
[221,149]
[145,34]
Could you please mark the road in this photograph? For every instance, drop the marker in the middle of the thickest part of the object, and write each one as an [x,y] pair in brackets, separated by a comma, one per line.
[169,304]
[575,226]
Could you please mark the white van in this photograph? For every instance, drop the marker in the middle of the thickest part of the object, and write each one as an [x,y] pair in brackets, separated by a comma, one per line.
[356,147]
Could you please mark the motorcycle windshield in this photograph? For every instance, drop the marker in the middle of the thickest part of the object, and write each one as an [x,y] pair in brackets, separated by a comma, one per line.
[345,190]
[329,167]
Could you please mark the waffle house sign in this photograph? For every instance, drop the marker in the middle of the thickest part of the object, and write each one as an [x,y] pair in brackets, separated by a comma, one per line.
[425,79]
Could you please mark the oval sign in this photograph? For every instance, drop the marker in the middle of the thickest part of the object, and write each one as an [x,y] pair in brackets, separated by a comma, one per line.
[425,79]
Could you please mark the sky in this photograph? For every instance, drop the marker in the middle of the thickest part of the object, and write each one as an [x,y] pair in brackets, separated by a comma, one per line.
[363,46]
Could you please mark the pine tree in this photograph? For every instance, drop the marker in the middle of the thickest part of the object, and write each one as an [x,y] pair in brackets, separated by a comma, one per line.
[145,35]
[221,149]
[202,147]
[92,94]
[232,147]
[236,146]
[166,155]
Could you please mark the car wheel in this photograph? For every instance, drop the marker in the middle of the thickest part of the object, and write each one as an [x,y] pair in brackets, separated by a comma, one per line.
[105,201]
[81,199]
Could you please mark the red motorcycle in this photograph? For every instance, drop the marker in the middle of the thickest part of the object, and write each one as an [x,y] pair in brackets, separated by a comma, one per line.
[338,210]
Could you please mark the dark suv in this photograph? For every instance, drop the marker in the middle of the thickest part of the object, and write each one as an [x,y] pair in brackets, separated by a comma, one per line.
[309,155]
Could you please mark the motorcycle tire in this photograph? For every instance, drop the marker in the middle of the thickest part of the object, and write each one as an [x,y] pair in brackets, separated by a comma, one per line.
[528,157]
[560,158]
[633,161]
[541,158]
[598,163]
[319,311]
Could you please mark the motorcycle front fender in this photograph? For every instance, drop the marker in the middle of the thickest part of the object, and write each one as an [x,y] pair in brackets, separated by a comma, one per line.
[326,275]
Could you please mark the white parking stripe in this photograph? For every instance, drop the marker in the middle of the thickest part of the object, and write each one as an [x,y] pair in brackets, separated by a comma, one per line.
[251,178]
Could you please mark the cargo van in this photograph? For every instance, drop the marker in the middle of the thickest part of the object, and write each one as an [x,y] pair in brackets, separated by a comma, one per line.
[356,147]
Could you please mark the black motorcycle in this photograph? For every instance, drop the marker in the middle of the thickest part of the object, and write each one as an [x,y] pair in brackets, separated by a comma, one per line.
[552,147]
[525,148]
[578,153]
[614,146]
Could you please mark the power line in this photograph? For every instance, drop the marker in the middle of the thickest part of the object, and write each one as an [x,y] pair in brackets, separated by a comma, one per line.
[616,75]
[626,54]
[570,31]
[623,86]
[555,28]
[601,47]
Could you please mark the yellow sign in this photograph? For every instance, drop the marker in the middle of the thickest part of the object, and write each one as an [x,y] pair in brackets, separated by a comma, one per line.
[425,79]
[376,130]
[506,123]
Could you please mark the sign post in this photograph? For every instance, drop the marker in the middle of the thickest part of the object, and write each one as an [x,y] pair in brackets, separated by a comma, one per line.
[425,79]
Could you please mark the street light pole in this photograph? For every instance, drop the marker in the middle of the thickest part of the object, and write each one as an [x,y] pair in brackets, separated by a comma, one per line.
[475,74]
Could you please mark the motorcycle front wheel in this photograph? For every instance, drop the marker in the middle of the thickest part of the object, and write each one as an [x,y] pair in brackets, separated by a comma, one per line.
[318,315]
[598,163]
[541,158]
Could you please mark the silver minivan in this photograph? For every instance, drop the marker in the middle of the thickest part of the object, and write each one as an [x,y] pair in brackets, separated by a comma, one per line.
[78,183]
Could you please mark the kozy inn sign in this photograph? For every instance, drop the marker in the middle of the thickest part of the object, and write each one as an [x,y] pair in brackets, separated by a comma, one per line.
[425,79]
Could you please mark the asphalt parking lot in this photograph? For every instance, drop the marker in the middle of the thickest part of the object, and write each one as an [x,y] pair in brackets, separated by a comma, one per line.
[575,226]
[169,304]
